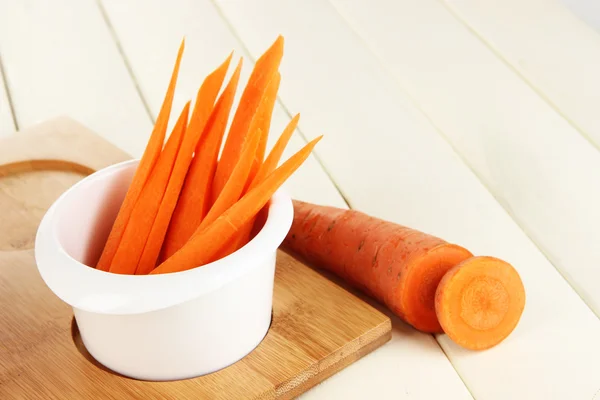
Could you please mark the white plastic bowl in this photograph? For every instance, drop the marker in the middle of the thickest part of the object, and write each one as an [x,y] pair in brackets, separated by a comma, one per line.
[157,327]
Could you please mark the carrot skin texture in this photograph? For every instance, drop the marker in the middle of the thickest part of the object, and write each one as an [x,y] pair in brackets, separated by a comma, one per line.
[205,243]
[265,68]
[204,103]
[397,265]
[195,197]
[145,166]
[144,212]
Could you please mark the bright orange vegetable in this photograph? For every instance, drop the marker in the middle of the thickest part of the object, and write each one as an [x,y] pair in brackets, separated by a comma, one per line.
[144,212]
[399,266]
[145,166]
[479,302]
[243,236]
[265,69]
[205,243]
[195,197]
[234,188]
[205,100]
[276,152]
[264,124]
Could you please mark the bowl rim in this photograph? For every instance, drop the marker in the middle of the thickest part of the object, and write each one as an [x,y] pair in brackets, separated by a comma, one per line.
[92,290]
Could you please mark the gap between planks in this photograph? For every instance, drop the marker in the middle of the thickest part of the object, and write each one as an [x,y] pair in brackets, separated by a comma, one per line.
[494,49]
[6,94]
[584,314]
[242,43]
[468,165]
[126,61]
[317,157]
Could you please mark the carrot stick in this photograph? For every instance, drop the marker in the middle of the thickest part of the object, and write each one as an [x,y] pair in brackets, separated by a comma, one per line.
[243,236]
[237,181]
[398,266]
[265,68]
[233,189]
[265,125]
[195,196]
[276,152]
[479,302]
[207,242]
[144,212]
[205,100]
[145,166]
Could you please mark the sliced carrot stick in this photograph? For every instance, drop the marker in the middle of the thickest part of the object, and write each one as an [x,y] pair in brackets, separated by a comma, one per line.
[195,196]
[207,242]
[243,236]
[145,166]
[276,152]
[234,188]
[144,212]
[264,70]
[397,265]
[204,103]
[479,302]
[265,125]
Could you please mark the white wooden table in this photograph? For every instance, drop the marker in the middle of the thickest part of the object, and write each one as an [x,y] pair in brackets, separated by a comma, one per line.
[475,120]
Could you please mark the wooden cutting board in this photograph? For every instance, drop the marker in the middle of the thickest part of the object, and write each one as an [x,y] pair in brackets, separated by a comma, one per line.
[318,328]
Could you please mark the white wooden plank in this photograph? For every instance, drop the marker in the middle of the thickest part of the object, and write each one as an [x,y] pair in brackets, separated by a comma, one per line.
[149,32]
[7,124]
[409,355]
[587,10]
[59,58]
[551,48]
[536,164]
[390,162]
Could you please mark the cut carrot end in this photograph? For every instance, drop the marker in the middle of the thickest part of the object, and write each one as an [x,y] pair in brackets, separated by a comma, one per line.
[480,302]
[418,283]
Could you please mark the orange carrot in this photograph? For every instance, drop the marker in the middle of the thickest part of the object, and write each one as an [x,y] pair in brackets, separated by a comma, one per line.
[207,242]
[144,212]
[204,103]
[242,237]
[145,166]
[479,302]
[276,152]
[398,266]
[264,70]
[237,181]
[195,196]
[264,125]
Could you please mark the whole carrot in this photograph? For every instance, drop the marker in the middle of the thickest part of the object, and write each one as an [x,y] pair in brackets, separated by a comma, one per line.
[397,265]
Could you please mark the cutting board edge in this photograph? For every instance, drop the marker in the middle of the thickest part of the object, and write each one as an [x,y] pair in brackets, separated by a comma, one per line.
[321,375]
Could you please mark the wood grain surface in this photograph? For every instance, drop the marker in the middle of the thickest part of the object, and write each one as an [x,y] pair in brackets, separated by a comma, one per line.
[318,328]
